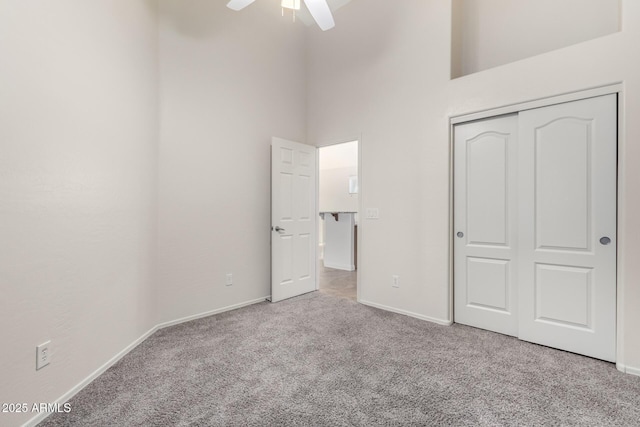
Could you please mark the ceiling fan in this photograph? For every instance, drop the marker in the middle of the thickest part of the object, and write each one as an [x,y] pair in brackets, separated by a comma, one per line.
[319,10]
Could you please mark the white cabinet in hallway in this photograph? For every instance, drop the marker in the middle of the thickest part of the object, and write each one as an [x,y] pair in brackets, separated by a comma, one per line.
[339,240]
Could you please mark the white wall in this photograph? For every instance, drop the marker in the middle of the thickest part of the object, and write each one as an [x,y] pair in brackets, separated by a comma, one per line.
[496,32]
[78,125]
[343,155]
[334,190]
[337,163]
[384,72]
[230,81]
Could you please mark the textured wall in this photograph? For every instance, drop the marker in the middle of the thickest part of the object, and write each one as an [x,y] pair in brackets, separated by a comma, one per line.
[78,125]
[490,33]
[378,74]
[336,164]
[334,190]
[384,72]
[230,81]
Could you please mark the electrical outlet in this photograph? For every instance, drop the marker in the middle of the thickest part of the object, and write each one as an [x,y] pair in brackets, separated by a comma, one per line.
[395,281]
[229,279]
[43,355]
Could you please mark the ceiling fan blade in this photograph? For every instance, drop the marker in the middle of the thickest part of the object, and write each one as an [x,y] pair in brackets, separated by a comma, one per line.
[320,11]
[239,4]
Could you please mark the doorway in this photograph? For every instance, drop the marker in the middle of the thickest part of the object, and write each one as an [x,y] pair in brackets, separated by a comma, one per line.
[338,205]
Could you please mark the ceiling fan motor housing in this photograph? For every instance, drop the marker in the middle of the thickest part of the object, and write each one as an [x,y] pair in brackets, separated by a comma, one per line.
[291,4]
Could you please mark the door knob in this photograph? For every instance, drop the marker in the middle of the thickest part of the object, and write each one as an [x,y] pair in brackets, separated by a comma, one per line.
[460,234]
[278,228]
[605,240]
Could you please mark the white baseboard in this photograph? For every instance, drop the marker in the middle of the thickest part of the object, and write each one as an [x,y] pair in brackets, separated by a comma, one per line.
[632,371]
[628,369]
[407,313]
[340,266]
[210,313]
[82,384]
[77,388]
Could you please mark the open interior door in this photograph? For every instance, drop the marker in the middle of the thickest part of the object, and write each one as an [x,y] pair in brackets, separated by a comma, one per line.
[293,219]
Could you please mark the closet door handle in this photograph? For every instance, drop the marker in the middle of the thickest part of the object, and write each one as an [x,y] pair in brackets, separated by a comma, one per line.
[605,240]
[278,229]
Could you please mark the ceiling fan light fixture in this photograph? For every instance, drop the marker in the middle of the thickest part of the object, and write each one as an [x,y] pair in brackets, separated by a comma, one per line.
[290,4]
[319,9]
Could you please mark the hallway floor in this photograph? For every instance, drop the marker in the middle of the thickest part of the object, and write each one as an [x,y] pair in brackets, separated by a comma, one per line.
[338,283]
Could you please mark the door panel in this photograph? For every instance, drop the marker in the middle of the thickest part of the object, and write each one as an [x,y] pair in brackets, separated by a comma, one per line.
[484,219]
[487,184]
[557,284]
[567,202]
[562,183]
[293,235]
[303,192]
[303,252]
[488,283]
[286,196]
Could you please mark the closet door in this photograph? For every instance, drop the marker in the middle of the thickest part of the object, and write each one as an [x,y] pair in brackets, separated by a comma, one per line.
[485,293]
[567,226]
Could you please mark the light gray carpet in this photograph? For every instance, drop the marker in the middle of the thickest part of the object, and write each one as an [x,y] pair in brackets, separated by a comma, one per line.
[322,360]
[339,283]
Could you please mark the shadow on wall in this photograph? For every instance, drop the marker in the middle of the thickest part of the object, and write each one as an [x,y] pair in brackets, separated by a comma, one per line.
[362,49]
[198,18]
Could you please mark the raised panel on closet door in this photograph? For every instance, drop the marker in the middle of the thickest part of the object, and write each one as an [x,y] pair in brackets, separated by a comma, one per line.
[484,222]
[567,203]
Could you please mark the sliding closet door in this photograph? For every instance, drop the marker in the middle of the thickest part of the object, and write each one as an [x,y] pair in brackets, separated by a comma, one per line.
[567,226]
[485,224]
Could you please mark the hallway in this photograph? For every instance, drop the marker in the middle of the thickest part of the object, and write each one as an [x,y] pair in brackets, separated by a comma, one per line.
[339,283]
